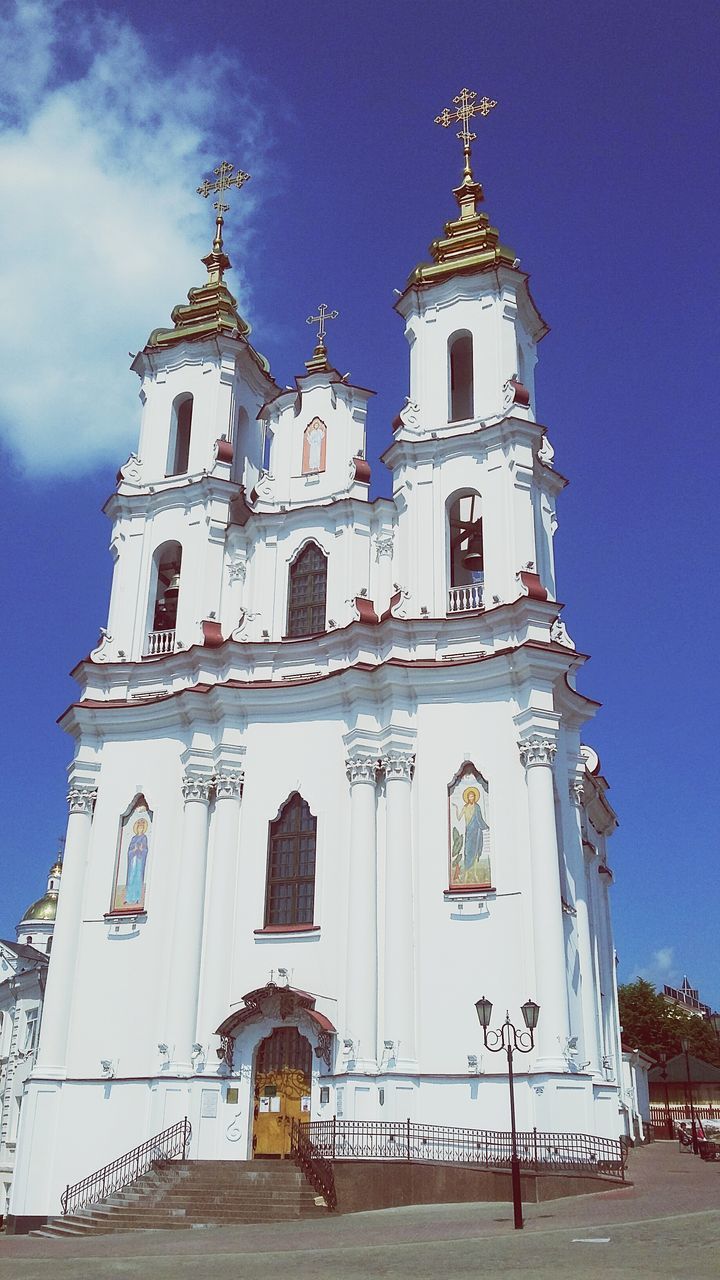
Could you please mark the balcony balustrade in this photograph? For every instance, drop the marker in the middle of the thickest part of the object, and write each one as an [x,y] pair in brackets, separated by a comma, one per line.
[158,643]
[464,599]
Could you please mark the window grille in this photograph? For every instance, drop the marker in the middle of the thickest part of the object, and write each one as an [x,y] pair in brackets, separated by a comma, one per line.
[290,892]
[307,588]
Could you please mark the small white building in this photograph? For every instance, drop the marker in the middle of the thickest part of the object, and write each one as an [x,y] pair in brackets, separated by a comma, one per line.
[328,785]
[23,973]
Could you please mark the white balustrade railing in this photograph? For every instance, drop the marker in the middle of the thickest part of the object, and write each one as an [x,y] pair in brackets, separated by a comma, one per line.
[462,599]
[159,642]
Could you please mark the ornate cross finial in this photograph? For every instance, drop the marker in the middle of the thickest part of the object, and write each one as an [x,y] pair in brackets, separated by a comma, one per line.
[320,319]
[467,107]
[225,178]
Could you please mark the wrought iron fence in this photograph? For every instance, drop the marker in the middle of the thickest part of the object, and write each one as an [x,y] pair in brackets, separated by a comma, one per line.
[486,1148]
[315,1166]
[172,1142]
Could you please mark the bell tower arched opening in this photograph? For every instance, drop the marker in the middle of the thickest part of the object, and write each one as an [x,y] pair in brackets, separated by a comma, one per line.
[465,553]
[461,382]
[164,596]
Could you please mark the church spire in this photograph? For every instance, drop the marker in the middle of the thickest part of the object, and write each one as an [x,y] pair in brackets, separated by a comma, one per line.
[470,243]
[211,308]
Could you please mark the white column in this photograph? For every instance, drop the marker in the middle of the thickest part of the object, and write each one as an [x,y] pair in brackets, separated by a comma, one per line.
[187,938]
[588,995]
[63,957]
[221,901]
[399,1019]
[362,963]
[613,1051]
[537,754]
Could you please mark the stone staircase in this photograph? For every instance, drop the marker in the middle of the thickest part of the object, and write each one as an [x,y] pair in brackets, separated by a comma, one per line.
[197,1193]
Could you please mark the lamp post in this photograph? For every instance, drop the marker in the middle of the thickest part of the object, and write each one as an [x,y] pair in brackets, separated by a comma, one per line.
[509,1038]
[684,1042]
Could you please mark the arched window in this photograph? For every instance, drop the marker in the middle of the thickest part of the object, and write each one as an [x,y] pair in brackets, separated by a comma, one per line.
[307,589]
[462,400]
[179,447]
[466,553]
[166,587]
[290,892]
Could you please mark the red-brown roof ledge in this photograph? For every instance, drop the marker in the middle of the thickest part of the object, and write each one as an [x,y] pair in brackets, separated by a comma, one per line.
[366,610]
[362,470]
[533,586]
[212,634]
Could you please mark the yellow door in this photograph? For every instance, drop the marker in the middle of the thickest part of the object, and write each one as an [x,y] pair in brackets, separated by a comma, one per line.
[282,1090]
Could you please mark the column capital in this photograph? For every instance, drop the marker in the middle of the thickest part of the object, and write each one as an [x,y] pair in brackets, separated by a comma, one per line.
[196,787]
[228,784]
[398,764]
[82,799]
[537,749]
[361,768]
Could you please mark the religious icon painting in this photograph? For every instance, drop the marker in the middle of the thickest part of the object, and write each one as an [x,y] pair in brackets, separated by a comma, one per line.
[128,893]
[314,441]
[469,834]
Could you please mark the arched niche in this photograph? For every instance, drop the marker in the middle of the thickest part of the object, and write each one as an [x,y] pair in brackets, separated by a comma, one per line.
[163,598]
[461,390]
[178,458]
[314,447]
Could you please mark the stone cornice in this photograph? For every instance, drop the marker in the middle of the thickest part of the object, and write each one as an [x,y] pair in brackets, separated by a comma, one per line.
[174,491]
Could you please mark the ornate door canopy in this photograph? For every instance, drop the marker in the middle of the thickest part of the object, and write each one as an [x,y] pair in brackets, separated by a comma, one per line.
[277,1004]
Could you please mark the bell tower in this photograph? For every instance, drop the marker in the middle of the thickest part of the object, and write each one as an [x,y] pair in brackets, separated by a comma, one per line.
[470,462]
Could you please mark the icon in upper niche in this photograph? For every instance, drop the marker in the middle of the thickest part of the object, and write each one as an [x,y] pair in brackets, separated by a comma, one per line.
[314,443]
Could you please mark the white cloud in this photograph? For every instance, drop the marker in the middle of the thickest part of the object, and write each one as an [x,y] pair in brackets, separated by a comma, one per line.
[101,149]
[661,967]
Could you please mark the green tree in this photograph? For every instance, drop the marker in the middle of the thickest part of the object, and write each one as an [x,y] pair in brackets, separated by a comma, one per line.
[651,1024]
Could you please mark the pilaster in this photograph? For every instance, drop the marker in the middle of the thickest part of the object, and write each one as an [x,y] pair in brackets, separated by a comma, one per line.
[182,1005]
[362,933]
[399,1012]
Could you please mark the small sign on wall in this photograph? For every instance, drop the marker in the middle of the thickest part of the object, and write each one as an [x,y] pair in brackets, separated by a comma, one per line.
[208,1104]
[231,1096]
[265,1106]
[274,1103]
[305,1103]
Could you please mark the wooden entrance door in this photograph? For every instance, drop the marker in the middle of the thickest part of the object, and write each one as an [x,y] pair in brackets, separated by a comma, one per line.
[283,1074]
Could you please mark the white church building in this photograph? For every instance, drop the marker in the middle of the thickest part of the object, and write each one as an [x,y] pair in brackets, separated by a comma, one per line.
[328,785]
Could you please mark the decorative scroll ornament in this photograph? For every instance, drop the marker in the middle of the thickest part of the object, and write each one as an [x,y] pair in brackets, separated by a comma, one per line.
[82,799]
[102,652]
[228,785]
[131,471]
[546,453]
[361,768]
[409,415]
[398,764]
[195,788]
[537,750]
[559,633]
[383,545]
[323,1048]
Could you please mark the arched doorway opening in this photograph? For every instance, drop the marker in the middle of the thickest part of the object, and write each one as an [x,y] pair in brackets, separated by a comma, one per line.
[283,1080]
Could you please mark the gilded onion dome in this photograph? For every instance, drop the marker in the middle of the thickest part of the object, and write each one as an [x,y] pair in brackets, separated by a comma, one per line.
[45,908]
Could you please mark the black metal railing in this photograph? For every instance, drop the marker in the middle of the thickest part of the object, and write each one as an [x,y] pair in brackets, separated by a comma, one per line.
[172,1142]
[313,1162]
[489,1149]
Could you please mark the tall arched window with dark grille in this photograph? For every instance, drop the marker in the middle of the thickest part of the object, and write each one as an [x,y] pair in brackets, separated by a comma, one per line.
[290,892]
[307,589]
[460,351]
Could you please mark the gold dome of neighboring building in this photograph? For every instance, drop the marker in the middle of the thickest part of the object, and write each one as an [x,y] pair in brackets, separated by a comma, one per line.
[44,909]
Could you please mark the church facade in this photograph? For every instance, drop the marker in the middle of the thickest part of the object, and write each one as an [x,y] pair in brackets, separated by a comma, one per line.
[329,784]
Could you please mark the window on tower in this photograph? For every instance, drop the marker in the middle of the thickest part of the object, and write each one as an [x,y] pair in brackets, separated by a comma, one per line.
[162,618]
[460,353]
[179,446]
[307,590]
[290,892]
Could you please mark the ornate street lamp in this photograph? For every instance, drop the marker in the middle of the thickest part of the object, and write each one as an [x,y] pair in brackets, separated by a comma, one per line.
[663,1073]
[685,1043]
[511,1040]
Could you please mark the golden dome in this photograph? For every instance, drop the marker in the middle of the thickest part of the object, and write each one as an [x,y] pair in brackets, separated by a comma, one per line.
[44,909]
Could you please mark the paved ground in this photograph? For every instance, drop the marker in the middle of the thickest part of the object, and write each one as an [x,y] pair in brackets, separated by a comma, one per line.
[665,1227]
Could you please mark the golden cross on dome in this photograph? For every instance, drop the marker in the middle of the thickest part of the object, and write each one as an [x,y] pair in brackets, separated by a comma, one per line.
[467,107]
[320,319]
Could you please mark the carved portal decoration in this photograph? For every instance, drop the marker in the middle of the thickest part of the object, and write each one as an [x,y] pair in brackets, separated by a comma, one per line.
[279,1005]
[469,834]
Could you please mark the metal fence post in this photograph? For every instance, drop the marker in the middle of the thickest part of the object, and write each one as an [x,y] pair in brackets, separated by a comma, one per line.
[334,1133]
[535,1149]
[408,1137]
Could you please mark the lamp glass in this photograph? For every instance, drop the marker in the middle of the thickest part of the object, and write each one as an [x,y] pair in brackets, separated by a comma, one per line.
[530,1012]
[684,1043]
[483,1007]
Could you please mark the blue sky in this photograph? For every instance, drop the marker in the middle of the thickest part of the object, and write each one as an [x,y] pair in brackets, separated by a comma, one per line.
[599,167]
